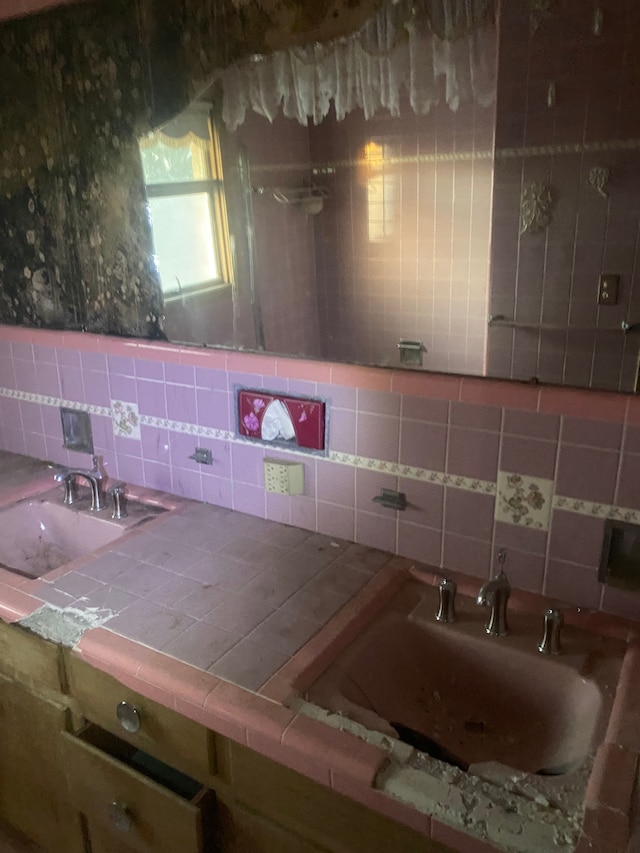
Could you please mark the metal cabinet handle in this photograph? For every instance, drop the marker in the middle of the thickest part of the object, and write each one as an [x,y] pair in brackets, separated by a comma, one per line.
[120,816]
[128,717]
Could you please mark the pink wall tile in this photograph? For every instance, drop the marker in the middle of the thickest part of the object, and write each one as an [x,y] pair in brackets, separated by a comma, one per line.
[473,453]
[251,499]
[587,473]
[576,538]
[628,488]
[531,424]
[606,435]
[378,402]
[585,404]
[469,513]
[418,542]
[425,409]
[525,570]
[342,430]
[433,385]
[520,538]
[150,397]
[528,456]
[378,436]
[470,556]
[511,395]
[573,583]
[376,531]
[475,417]
[336,520]
[423,445]
[336,483]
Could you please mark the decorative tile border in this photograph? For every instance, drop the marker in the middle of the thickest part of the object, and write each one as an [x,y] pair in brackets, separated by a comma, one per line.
[596,510]
[469,484]
[411,472]
[44,400]
[189,429]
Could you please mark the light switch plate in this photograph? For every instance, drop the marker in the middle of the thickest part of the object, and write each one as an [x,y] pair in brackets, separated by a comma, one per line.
[608,289]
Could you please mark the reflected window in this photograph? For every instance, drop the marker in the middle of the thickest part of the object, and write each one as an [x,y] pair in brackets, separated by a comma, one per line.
[185,193]
[382,188]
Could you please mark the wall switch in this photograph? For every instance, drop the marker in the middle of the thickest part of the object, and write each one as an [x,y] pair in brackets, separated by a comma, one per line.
[283,477]
[608,289]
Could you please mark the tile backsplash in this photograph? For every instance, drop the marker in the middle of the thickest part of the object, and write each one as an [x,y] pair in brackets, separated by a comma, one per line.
[483,464]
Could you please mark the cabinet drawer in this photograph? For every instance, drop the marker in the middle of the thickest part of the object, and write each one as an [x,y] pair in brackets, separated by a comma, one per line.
[151,727]
[133,802]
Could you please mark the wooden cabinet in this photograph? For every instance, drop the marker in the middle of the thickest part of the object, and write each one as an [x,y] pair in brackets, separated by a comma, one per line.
[80,774]
[147,725]
[330,821]
[33,796]
[129,798]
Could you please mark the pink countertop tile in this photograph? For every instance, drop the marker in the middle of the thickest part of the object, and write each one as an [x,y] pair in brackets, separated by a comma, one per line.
[232,664]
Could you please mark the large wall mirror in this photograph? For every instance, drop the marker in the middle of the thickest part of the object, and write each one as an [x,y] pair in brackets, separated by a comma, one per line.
[436,186]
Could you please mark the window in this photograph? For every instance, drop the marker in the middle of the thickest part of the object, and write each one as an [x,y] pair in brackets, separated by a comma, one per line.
[185,192]
[381,179]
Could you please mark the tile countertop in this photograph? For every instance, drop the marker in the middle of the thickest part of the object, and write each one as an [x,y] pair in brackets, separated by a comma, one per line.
[219,614]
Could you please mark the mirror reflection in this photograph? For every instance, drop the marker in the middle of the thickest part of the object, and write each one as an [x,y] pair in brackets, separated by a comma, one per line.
[359,227]
[383,183]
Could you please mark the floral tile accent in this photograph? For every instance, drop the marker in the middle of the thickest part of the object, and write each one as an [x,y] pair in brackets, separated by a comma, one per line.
[126,419]
[524,500]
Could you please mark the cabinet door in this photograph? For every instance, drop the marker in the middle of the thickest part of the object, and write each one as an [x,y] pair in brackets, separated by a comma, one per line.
[323,817]
[32,786]
[243,831]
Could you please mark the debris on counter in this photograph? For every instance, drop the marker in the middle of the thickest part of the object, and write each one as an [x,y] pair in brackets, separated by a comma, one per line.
[65,625]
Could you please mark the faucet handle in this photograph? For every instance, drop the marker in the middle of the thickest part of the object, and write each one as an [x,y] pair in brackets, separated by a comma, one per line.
[447,605]
[117,492]
[553,622]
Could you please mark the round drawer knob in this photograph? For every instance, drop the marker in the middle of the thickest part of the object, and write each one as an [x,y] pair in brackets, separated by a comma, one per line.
[128,717]
[120,816]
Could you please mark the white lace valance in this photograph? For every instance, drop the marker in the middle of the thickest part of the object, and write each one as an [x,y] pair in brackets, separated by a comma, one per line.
[434,50]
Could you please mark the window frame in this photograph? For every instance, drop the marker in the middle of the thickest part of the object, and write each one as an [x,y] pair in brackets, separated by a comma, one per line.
[215,190]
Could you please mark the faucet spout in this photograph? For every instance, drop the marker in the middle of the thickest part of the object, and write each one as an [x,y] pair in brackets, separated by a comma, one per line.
[94,476]
[495,595]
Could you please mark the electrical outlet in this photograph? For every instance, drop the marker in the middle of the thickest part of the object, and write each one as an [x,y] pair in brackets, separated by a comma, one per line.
[283,477]
[608,289]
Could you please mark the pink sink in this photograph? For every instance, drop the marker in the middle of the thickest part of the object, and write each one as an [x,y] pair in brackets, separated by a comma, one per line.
[40,535]
[479,698]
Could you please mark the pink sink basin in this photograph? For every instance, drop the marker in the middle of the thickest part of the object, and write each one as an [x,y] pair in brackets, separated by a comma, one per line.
[38,535]
[479,698]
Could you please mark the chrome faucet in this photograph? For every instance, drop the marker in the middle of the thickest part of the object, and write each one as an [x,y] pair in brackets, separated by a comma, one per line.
[69,476]
[553,622]
[447,601]
[495,594]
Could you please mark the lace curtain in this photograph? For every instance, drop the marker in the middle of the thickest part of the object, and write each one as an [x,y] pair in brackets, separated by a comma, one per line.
[432,49]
